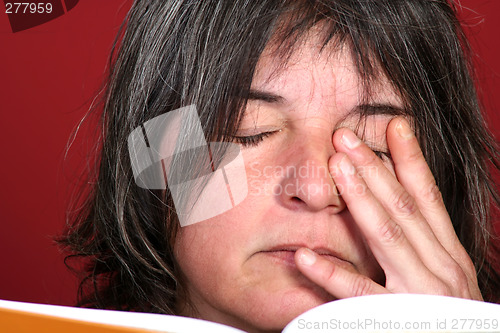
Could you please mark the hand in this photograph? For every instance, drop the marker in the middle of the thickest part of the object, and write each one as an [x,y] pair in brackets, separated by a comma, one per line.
[402,218]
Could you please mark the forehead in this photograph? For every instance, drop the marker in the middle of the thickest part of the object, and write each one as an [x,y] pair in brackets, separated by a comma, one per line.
[309,69]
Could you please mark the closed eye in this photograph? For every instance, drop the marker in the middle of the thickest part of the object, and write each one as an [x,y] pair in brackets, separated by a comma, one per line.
[252,140]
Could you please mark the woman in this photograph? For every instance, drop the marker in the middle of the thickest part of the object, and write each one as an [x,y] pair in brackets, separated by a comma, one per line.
[364,149]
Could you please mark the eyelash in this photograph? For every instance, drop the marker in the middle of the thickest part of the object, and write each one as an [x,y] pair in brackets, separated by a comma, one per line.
[382,155]
[254,140]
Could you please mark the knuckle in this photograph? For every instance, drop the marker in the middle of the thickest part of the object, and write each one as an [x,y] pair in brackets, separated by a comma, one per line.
[390,233]
[403,204]
[457,278]
[468,265]
[462,258]
[361,285]
[434,285]
[360,190]
[432,194]
[442,289]
[370,159]
[330,276]
[368,170]
[415,156]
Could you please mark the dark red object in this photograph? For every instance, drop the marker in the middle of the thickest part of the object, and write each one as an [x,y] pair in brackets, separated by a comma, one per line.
[26,15]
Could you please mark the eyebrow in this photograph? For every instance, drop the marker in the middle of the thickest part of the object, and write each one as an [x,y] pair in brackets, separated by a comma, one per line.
[359,110]
[374,109]
[259,95]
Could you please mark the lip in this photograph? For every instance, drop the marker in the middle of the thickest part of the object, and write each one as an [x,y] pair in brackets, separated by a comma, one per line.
[286,254]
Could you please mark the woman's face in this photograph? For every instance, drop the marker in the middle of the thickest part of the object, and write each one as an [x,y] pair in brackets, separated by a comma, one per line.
[239,266]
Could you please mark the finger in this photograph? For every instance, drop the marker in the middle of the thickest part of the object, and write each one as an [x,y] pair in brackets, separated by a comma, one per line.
[415,175]
[338,281]
[386,238]
[402,208]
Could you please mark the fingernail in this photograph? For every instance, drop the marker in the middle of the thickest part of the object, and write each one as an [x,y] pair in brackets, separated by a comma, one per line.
[345,167]
[307,257]
[404,130]
[350,140]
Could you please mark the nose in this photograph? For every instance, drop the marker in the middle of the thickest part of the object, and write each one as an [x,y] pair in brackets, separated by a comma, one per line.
[307,183]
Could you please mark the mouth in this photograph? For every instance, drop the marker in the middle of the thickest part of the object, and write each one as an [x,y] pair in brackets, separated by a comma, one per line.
[285,254]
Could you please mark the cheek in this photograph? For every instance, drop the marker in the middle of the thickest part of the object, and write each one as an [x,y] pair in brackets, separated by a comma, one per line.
[192,247]
[212,253]
[261,183]
[206,257]
[226,240]
[203,246]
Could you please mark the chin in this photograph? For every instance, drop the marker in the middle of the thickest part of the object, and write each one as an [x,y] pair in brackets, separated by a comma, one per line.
[274,311]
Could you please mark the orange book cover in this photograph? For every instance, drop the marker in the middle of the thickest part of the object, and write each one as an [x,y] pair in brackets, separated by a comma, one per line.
[20,317]
[375,313]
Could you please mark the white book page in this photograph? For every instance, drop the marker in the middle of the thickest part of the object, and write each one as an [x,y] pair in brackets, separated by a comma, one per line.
[399,313]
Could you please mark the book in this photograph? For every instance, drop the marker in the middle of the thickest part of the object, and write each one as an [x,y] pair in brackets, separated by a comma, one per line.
[377,313]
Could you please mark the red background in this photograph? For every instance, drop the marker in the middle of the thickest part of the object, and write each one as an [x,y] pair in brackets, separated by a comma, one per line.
[49,76]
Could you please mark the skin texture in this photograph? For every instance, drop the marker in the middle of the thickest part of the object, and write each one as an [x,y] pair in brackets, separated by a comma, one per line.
[372,225]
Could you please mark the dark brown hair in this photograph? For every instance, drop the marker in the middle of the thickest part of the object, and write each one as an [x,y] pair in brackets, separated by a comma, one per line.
[180,52]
